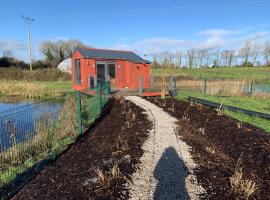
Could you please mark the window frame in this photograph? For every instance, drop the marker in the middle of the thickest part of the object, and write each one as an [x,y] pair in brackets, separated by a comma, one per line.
[77,71]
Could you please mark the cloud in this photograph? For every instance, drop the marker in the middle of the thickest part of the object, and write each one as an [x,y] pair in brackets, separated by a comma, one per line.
[210,38]
[10,45]
[160,42]
[218,32]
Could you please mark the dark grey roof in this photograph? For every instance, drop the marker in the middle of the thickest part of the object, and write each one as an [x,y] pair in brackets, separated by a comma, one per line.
[111,54]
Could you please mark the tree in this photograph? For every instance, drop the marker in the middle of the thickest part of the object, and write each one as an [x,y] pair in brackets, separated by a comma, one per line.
[256,50]
[7,54]
[190,57]
[216,58]
[266,53]
[179,57]
[245,52]
[202,55]
[56,52]
[227,56]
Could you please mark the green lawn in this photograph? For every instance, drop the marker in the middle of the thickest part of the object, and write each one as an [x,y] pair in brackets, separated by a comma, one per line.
[260,104]
[261,74]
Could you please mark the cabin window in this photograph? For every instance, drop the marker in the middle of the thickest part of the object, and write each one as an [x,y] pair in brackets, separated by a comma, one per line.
[77,71]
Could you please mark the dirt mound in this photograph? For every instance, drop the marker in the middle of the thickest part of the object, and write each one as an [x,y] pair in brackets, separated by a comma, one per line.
[222,146]
[100,164]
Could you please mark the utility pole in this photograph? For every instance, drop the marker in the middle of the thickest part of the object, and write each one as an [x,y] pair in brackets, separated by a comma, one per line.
[27,21]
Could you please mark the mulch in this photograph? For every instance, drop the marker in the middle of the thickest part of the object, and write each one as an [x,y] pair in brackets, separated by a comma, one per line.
[100,164]
[218,143]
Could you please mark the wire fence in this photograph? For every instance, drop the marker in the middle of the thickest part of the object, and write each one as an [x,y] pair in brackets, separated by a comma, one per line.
[225,87]
[34,132]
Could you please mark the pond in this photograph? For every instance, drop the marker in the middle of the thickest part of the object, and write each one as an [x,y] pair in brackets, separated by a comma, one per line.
[261,88]
[19,119]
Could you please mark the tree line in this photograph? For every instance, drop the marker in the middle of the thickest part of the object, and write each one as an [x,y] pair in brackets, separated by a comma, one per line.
[252,54]
[53,53]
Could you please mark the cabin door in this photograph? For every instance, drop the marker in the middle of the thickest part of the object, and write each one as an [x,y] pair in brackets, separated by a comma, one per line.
[106,71]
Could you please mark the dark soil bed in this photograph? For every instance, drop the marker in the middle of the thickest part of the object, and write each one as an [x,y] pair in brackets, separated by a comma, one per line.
[100,164]
[218,143]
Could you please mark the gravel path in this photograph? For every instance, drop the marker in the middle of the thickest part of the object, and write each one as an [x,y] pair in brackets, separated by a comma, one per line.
[166,169]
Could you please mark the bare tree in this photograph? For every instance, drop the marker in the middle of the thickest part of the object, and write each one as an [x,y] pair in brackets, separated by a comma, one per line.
[256,51]
[202,55]
[190,57]
[7,54]
[216,58]
[246,52]
[71,45]
[227,56]
[179,58]
[266,53]
[55,52]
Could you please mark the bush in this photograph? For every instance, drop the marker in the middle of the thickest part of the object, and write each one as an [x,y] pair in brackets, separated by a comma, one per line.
[47,74]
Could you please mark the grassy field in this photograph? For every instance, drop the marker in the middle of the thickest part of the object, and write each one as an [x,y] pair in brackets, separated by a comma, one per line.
[261,74]
[35,89]
[260,104]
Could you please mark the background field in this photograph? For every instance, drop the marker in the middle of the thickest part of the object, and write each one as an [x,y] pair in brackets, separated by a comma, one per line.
[260,74]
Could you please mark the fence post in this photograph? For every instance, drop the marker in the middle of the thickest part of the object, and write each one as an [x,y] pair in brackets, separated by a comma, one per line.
[205,86]
[99,96]
[79,116]
[251,87]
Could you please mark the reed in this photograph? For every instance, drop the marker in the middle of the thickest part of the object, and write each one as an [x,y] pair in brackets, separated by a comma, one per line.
[50,137]
[34,89]
[213,87]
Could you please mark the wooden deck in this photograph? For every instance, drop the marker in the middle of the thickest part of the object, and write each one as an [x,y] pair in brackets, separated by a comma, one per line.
[131,92]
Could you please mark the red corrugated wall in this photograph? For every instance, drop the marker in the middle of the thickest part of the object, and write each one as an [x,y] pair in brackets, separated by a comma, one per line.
[127,73]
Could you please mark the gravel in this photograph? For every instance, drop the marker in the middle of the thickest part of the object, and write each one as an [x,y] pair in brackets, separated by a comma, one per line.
[166,169]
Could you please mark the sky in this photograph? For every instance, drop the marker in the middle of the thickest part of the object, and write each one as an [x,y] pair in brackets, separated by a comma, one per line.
[146,27]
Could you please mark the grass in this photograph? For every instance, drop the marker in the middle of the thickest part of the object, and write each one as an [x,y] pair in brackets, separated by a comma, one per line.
[261,74]
[50,136]
[49,74]
[50,139]
[259,104]
[241,185]
[214,87]
[37,89]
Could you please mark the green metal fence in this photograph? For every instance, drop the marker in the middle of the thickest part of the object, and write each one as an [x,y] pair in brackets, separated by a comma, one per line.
[34,132]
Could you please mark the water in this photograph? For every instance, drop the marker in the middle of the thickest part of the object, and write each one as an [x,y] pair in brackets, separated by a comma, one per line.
[19,119]
[261,88]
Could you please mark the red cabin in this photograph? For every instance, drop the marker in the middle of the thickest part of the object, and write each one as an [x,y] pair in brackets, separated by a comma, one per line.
[122,68]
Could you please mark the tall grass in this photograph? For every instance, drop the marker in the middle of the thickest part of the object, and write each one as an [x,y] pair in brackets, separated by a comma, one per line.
[49,74]
[49,138]
[34,89]
[213,87]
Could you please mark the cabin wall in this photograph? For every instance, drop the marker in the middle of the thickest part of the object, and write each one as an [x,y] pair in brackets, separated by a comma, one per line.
[127,73]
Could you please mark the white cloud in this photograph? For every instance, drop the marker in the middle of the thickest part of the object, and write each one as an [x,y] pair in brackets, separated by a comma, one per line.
[160,42]
[211,38]
[11,45]
[218,32]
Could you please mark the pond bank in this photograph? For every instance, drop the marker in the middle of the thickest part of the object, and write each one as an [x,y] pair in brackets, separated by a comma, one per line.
[35,89]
